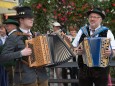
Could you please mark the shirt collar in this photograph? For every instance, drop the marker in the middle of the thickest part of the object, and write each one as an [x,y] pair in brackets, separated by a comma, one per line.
[11,31]
[96,28]
[24,31]
[4,37]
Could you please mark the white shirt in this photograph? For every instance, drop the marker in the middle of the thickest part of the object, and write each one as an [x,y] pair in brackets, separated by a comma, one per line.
[26,31]
[3,38]
[75,43]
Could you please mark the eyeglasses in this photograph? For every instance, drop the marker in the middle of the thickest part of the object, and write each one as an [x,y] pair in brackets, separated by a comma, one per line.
[94,17]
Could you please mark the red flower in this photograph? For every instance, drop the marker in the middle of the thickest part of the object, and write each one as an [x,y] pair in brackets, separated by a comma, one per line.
[107,10]
[68,13]
[72,4]
[63,1]
[44,9]
[63,19]
[113,4]
[59,15]
[39,6]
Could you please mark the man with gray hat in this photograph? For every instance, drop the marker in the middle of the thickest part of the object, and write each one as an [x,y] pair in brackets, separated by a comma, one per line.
[15,49]
[93,75]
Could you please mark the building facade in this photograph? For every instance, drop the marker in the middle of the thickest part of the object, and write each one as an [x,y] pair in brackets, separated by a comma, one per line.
[6,8]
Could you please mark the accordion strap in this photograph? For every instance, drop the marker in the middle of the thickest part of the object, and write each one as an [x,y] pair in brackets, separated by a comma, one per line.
[21,34]
[101,29]
[84,30]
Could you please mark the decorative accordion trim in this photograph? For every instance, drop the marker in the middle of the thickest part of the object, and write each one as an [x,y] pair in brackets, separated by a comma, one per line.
[94,51]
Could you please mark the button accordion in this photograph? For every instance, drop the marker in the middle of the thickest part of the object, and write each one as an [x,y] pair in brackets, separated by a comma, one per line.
[48,50]
[94,50]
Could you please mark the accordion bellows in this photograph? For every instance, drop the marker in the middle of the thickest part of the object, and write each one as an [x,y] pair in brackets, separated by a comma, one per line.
[94,50]
[48,50]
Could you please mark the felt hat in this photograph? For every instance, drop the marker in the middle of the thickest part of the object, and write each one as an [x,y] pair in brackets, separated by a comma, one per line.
[24,12]
[98,11]
[11,21]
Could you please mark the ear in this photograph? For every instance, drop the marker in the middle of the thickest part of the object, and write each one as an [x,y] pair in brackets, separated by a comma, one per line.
[101,19]
[21,19]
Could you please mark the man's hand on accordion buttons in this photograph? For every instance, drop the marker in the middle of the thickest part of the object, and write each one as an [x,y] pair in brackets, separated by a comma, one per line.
[26,52]
[107,53]
[79,50]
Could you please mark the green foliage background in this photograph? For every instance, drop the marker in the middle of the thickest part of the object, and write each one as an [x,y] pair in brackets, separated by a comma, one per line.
[68,12]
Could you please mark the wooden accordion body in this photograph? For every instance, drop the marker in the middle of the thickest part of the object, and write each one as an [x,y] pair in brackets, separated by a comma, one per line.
[48,50]
[39,46]
[94,50]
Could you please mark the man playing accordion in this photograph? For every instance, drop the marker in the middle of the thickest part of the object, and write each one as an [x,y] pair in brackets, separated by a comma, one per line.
[93,74]
[15,48]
